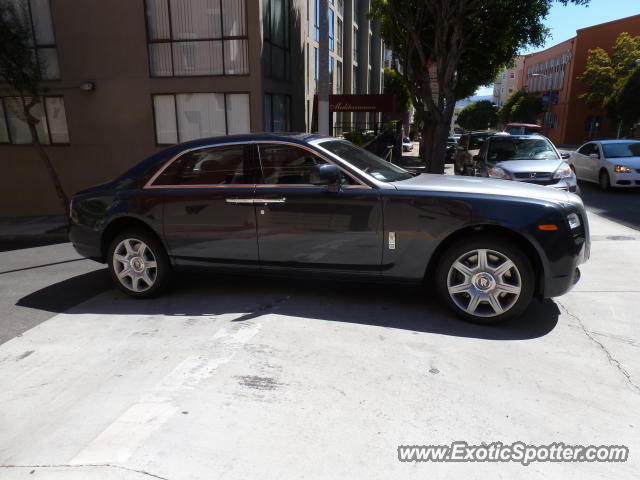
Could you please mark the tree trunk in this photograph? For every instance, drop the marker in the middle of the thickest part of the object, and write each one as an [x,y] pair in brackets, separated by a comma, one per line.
[435,134]
[53,175]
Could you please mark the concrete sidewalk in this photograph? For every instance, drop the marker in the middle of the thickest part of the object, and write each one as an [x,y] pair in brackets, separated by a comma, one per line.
[32,226]
[276,380]
[26,232]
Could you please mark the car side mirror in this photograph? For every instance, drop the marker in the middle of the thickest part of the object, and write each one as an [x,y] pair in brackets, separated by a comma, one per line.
[326,174]
[565,155]
[594,156]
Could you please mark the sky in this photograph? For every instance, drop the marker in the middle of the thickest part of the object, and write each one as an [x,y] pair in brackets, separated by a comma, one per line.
[564,21]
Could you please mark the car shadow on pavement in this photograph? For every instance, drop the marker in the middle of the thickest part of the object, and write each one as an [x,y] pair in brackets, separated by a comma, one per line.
[249,297]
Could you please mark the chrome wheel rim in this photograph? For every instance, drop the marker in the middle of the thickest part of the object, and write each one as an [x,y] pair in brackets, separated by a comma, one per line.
[484,283]
[135,265]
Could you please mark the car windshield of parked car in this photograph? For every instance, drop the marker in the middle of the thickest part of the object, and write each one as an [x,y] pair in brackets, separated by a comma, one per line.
[502,149]
[476,141]
[366,161]
[406,140]
[621,150]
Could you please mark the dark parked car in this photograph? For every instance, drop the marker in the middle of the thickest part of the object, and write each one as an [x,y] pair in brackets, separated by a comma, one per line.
[468,147]
[309,205]
[452,143]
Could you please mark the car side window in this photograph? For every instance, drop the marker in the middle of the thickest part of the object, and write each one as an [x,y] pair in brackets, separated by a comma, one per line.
[290,165]
[462,145]
[209,166]
[585,149]
[596,150]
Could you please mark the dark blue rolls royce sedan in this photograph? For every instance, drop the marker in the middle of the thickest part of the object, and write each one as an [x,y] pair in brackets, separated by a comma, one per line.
[310,205]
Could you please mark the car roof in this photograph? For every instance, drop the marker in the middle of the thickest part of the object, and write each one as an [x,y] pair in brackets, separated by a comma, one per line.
[621,140]
[296,137]
[159,157]
[523,136]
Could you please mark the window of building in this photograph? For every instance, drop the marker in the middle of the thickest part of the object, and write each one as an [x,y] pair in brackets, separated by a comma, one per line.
[187,116]
[355,44]
[339,33]
[338,76]
[277,113]
[331,31]
[52,127]
[306,30]
[37,15]
[316,20]
[512,75]
[316,69]
[331,79]
[277,51]
[354,80]
[341,7]
[207,37]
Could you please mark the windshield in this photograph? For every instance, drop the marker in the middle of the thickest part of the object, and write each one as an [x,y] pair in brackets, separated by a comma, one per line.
[476,141]
[621,150]
[366,161]
[502,149]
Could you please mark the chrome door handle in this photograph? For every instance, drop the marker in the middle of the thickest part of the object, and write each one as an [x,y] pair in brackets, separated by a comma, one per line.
[240,201]
[273,201]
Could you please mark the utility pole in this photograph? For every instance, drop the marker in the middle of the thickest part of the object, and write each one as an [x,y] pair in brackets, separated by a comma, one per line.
[323,65]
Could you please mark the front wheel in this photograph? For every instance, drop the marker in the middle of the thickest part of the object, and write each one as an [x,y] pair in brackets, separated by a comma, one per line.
[138,264]
[604,181]
[485,280]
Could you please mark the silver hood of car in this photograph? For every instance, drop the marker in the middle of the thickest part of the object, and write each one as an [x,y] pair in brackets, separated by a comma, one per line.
[526,166]
[482,186]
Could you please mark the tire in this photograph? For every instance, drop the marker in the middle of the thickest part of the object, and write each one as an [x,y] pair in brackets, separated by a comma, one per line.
[604,182]
[500,291]
[143,257]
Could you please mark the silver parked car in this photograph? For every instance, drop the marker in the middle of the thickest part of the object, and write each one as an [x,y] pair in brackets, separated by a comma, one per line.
[525,158]
[610,163]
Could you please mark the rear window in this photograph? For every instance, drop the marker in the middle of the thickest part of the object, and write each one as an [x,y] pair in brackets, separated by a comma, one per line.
[209,166]
[476,141]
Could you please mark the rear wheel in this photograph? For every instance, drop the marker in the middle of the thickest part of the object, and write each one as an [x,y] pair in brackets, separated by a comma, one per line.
[604,181]
[138,263]
[485,280]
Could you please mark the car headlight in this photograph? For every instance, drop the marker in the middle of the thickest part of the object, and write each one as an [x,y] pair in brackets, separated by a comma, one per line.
[563,172]
[497,172]
[574,221]
[621,169]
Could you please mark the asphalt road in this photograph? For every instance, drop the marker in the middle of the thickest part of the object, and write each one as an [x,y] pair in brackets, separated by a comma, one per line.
[620,205]
[257,377]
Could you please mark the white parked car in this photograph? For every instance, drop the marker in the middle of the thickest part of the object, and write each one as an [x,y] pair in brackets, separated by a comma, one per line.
[609,163]
[407,144]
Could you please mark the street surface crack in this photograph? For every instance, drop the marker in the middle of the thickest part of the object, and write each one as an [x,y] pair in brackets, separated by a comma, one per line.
[89,465]
[615,363]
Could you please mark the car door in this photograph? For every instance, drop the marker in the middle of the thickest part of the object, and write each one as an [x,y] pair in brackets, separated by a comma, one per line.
[580,161]
[305,226]
[593,160]
[208,213]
